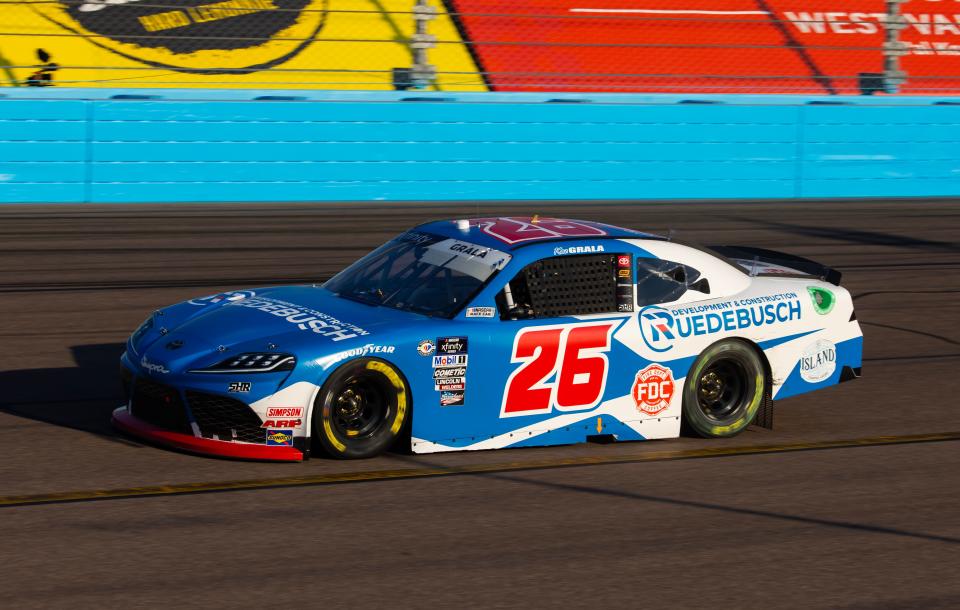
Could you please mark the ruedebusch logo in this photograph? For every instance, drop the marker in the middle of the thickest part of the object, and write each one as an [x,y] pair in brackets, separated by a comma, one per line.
[306,319]
[661,328]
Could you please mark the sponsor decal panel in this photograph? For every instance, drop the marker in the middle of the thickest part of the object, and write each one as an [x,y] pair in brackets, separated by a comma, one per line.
[624,282]
[661,327]
[653,389]
[450,370]
[279,438]
[240,387]
[818,361]
[481,312]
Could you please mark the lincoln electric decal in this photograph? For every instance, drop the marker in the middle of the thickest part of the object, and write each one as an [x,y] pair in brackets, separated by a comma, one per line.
[341,44]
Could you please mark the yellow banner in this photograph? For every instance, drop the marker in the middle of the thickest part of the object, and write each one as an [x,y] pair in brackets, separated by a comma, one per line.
[290,44]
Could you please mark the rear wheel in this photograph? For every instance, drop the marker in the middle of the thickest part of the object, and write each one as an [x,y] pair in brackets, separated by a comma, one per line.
[724,389]
[361,409]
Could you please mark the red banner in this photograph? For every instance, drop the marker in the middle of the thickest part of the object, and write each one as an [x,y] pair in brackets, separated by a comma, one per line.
[708,46]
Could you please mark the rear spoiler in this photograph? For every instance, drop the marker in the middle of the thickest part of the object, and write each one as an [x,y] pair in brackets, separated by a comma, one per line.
[759,261]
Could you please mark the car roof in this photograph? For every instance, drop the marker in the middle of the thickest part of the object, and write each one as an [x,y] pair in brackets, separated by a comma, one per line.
[512,232]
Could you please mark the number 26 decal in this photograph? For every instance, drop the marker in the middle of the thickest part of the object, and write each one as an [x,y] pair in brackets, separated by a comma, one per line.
[561,366]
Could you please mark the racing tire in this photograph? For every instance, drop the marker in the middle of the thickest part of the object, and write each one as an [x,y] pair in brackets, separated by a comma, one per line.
[361,410]
[724,390]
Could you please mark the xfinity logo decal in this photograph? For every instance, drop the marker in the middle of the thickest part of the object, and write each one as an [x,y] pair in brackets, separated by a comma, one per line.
[560,251]
[153,367]
[660,328]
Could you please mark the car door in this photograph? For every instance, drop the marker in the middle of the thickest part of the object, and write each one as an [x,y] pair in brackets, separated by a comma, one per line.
[546,360]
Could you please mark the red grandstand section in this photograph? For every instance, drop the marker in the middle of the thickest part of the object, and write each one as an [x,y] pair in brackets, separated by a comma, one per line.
[706,46]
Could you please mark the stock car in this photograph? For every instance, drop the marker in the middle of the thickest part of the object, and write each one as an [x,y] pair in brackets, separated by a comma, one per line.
[489,333]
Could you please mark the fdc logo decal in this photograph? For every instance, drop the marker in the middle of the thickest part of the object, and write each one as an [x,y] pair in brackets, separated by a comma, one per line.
[198,36]
[653,389]
[657,328]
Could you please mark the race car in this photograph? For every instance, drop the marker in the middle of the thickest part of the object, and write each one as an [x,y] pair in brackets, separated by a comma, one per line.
[488,333]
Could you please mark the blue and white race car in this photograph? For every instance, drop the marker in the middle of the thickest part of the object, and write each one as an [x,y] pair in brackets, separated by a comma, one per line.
[491,333]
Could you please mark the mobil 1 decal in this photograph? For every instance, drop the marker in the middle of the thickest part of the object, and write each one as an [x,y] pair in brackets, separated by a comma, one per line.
[197,36]
[661,328]
[450,370]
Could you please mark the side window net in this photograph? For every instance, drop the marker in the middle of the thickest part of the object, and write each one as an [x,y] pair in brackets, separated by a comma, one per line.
[565,286]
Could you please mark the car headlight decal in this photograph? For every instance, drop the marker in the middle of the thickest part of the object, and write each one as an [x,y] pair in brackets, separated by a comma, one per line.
[252,363]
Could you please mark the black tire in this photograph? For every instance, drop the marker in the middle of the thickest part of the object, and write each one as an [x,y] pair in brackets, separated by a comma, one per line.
[724,389]
[361,409]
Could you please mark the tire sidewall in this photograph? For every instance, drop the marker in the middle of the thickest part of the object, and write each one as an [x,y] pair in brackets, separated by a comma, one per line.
[337,445]
[755,378]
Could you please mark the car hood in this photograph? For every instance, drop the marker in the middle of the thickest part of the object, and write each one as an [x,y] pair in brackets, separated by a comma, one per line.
[307,321]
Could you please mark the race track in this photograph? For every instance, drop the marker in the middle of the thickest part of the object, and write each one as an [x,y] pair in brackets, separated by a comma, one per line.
[852,502]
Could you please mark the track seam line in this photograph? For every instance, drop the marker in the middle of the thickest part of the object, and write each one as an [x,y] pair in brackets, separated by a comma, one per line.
[420,473]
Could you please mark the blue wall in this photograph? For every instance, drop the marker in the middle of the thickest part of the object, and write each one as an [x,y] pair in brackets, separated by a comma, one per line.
[102,146]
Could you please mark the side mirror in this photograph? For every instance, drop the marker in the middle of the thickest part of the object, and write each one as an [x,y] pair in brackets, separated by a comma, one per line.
[701,285]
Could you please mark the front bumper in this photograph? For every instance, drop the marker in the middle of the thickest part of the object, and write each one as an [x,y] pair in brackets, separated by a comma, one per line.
[126,422]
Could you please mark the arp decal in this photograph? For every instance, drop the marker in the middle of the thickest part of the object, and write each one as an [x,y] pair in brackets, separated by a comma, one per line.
[282,423]
[563,367]
[653,389]
[517,230]
[660,327]
[818,361]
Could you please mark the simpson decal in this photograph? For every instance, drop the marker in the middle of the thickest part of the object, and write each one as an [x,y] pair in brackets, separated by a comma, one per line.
[653,389]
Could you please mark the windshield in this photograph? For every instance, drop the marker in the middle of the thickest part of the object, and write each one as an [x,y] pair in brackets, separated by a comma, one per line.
[419,272]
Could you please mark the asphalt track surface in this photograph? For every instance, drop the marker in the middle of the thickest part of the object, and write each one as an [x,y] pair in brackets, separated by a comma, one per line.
[852,501]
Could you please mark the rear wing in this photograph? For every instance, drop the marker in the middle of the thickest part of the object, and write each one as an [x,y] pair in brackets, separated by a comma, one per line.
[759,261]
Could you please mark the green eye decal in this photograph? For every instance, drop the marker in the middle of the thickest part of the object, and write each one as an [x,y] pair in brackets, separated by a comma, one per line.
[823,299]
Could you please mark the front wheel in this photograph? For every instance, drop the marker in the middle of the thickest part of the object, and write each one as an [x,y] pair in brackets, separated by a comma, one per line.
[361,409]
[724,389]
